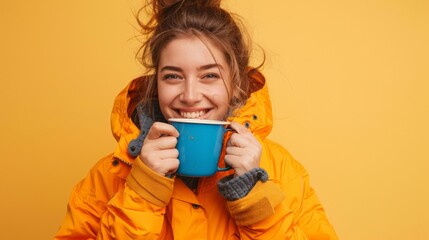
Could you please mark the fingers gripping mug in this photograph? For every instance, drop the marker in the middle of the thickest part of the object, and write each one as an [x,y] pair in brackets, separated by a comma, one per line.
[199,145]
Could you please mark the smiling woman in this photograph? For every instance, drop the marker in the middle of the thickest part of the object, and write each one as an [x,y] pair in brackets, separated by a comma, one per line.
[199,68]
[348,82]
[190,81]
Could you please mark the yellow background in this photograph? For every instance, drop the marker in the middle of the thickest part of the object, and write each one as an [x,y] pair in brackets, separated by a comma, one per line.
[349,82]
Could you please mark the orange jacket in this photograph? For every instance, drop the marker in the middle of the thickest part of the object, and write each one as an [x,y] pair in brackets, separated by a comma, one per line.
[121,198]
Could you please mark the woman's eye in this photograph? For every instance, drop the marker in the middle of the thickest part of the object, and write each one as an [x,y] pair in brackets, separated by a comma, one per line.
[170,76]
[211,76]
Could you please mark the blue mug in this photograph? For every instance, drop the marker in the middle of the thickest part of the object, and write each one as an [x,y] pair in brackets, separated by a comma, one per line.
[199,145]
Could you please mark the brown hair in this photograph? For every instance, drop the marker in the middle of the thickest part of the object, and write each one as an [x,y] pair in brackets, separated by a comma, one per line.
[204,19]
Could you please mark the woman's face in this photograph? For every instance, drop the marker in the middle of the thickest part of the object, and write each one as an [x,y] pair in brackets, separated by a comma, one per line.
[191,84]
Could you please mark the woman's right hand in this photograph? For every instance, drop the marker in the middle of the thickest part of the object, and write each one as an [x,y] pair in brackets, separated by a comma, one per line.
[159,151]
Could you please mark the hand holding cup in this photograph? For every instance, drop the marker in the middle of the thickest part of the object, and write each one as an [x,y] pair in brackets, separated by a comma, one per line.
[243,151]
[159,151]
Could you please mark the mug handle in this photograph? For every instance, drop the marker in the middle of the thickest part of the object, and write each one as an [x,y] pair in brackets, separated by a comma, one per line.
[227,167]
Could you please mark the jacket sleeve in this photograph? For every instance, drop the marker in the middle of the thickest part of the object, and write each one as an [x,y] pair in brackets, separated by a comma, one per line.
[129,212]
[284,207]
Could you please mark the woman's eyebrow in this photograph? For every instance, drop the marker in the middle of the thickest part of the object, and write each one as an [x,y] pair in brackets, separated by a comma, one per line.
[208,66]
[204,67]
[171,68]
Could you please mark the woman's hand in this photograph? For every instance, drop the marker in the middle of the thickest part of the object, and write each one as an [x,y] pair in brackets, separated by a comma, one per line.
[159,151]
[243,151]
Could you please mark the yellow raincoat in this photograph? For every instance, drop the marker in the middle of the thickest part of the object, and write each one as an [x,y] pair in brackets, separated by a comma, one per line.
[121,198]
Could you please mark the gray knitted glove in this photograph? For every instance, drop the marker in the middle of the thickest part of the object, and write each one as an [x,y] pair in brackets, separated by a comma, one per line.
[235,188]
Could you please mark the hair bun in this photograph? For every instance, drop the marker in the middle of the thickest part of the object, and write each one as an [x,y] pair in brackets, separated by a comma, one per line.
[160,5]
[158,10]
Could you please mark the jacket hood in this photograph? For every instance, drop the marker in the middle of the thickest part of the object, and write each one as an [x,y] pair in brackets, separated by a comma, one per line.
[256,114]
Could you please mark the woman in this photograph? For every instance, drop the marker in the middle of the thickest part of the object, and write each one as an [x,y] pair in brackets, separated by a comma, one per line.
[198,60]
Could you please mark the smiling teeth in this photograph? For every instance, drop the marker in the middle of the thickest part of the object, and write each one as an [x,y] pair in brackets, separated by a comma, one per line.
[196,114]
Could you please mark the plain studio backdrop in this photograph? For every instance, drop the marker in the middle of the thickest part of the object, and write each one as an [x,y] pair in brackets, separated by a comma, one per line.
[349,82]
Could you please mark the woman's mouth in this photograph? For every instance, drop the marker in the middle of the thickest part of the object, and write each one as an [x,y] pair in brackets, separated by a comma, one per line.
[195,114]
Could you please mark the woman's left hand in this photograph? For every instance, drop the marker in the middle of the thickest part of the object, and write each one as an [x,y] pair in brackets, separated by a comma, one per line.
[243,151]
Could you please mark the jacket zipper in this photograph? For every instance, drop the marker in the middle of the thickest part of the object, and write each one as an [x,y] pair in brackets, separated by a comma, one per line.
[196,189]
[123,161]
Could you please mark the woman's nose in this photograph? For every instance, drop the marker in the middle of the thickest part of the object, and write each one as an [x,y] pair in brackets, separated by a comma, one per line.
[191,93]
